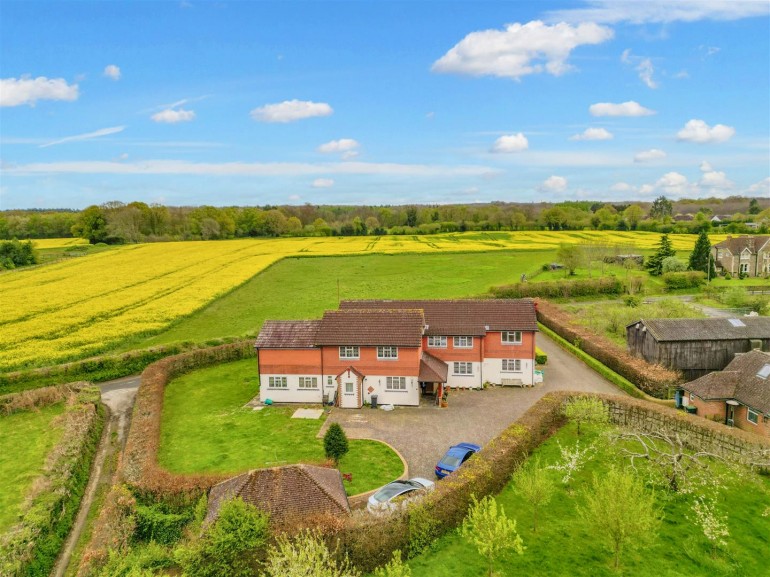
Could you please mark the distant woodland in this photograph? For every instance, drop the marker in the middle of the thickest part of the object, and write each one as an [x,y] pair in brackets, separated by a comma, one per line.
[118,222]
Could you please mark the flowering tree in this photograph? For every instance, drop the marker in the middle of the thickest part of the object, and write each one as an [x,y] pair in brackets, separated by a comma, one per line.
[711,522]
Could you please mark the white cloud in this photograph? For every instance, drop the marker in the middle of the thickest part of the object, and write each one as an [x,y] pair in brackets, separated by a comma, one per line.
[646,189]
[682,74]
[761,188]
[248,168]
[622,187]
[25,90]
[625,57]
[341,145]
[593,134]
[662,11]
[649,155]
[294,198]
[112,71]
[520,49]
[553,184]
[511,143]
[700,132]
[171,116]
[673,183]
[86,136]
[646,70]
[323,183]
[629,108]
[715,179]
[347,155]
[706,167]
[291,110]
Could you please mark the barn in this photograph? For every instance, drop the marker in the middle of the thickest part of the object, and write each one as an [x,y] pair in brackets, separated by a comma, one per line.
[696,346]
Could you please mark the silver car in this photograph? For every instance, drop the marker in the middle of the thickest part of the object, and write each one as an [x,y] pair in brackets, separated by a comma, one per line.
[390,496]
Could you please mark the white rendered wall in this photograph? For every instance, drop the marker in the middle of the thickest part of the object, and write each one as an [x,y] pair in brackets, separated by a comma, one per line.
[492,372]
[464,381]
[292,393]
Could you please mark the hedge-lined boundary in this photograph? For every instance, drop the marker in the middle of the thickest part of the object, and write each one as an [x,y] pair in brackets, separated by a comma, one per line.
[140,464]
[652,379]
[608,285]
[30,547]
[96,369]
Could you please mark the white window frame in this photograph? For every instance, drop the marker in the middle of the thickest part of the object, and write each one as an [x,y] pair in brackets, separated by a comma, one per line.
[352,388]
[744,268]
[308,382]
[506,339]
[436,342]
[395,384]
[511,365]
[692,397]
[387,353]
[277,383]
[462,368]
[350,352]
[329,381]
[460,339]
[751,412]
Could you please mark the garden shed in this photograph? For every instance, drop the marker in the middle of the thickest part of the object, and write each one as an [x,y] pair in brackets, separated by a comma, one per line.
[696,346]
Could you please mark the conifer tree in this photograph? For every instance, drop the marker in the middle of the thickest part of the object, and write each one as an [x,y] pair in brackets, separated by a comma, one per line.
[655,263]
[700,258]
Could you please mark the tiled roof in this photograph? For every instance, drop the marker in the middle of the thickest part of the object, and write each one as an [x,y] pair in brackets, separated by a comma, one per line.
[738,243]
[706,329]
[738,381]
[371,327]
[462,316]
[432,370]
[285,493]
[287,335]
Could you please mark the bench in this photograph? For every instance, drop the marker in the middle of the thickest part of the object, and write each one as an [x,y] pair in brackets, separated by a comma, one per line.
[512,383]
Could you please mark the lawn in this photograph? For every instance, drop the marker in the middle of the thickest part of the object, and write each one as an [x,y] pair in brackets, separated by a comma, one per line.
[298,288]
[206,429]
[564,546]
[25,440]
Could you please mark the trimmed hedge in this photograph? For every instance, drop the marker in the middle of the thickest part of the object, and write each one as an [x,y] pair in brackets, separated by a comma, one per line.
[608,285]
[95,369]
[652,379]
[540,357]
[140,465]
[684,280]
[30,548]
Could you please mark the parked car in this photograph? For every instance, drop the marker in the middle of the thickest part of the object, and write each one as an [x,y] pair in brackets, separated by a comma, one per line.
[454,457]
[388,497]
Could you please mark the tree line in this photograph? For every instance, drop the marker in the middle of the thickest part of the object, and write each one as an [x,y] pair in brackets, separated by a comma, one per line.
[117,222]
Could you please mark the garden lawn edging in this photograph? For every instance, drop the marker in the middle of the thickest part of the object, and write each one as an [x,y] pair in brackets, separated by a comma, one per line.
[360,500]
[30,547]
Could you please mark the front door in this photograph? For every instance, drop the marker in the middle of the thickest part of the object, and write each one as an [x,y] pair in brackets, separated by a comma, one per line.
[730,415]
[350,393]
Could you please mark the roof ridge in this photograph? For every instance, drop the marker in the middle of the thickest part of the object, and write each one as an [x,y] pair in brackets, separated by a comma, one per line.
[303,467]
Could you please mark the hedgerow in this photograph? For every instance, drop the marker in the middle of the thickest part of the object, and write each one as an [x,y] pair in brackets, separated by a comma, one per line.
[30,547]
[608,285]
[684,279]
[652,379]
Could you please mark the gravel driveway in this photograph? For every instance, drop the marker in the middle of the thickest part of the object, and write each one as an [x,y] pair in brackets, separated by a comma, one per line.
[422,434]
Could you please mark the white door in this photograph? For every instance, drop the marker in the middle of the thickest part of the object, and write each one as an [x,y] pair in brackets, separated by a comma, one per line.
[349,399]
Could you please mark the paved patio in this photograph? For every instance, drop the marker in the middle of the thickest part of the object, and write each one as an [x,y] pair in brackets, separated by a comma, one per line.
[422,434]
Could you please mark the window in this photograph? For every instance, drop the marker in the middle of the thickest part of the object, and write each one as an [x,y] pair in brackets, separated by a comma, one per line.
[387,352]
[329,381]
[276,383]
[744,267]
[349,388]
[512,365]
[463,368]
[512,337]
[308,382]
[719,253]
[437,342]
[395,384]
[349,352]
[463,342]
[753,416]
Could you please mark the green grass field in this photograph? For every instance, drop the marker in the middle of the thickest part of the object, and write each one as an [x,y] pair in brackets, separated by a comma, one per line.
[25,440]
[298,288]
[565,547]
[206,429]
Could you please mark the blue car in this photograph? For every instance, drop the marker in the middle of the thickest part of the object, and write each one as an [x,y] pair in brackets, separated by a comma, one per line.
[454,457]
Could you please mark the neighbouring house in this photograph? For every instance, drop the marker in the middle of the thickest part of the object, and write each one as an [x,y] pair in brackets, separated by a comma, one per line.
[696,346]
[397,350]
[748,255]
[286,493]
[738,396]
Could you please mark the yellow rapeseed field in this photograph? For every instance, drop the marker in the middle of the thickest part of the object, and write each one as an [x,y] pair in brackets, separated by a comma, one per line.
[80,307]
[57,242]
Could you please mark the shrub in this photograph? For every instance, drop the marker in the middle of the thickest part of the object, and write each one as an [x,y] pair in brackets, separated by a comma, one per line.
[728,276]
[684,280]
[632,301]
[232,547]
[14,253]
[153,523]
[335,443]
[540,357]
[673,264]
[394,568]
[608,285]
[306,556]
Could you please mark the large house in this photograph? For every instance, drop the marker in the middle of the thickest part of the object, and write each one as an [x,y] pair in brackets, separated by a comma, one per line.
[738,396]
[748,255]
[397,351]
[696,346]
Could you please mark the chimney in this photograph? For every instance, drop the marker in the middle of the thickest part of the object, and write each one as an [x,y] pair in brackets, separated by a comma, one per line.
[756,344]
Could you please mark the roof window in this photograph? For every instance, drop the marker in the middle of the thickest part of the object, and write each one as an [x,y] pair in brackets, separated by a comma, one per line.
[736,322]
[764,372]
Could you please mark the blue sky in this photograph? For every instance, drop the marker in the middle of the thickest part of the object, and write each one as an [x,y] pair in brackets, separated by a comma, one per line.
[222,103]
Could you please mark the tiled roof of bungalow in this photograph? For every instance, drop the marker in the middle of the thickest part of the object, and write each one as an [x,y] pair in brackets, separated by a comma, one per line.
[288,335]
[462,316]
[371,327]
